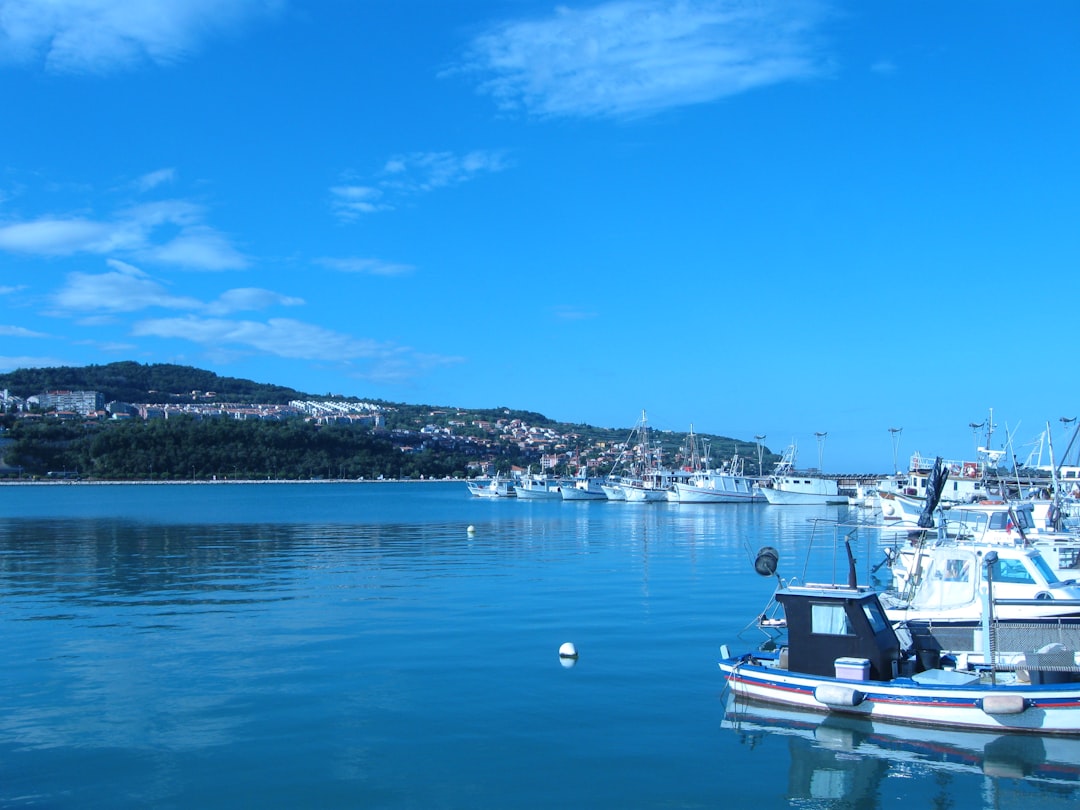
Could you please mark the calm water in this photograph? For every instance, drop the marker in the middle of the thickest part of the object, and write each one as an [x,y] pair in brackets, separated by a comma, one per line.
[352,645]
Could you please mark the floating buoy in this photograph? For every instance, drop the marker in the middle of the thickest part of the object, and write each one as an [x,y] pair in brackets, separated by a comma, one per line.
[471,529]
[568,650]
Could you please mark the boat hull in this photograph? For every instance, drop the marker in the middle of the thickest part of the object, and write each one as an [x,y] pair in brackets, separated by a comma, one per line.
[783,497]
[690,493]
[1046,709]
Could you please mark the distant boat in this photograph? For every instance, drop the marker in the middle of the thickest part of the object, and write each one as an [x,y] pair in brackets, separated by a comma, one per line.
[536,487]
[790,487]
[494,488]
[583,488]
[724,485]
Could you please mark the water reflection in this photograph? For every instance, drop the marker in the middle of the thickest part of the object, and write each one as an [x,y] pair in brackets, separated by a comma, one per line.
[840,761]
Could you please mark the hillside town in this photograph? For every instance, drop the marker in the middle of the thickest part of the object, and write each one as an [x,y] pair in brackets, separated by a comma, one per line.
[493,444]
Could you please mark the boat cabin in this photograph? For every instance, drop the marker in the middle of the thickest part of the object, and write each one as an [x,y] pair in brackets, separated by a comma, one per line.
[825,623]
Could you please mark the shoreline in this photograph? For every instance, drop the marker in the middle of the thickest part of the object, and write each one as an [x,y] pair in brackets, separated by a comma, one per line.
[233,482]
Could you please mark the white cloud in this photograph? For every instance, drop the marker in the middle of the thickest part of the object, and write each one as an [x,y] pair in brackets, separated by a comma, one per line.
[200,247]
[10,290]
[282,337]
[635,57]
[168,232]
[152,180]
[373,267]
[351,201]
[51,236]
[411,174]
[426,171]
[124,289]
[18,331]
[249,298]
[100,36]
[12,362]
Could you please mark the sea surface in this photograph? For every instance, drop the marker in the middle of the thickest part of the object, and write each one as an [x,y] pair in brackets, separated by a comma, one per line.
[326,645]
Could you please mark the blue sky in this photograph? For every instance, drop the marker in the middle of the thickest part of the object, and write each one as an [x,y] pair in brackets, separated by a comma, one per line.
[753,217]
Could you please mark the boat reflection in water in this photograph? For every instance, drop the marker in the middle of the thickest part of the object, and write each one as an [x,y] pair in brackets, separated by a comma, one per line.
[845,757]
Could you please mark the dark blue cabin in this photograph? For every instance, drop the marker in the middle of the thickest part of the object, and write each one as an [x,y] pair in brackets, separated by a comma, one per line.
[825,623]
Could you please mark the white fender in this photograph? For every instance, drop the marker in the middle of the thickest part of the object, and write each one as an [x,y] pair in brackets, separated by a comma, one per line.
[1003,704]
[840,697]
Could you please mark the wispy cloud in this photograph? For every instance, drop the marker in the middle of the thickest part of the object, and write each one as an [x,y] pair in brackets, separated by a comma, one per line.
[12,362]
[246,299]
[124,289]
[421,172]
[371,267]
[630,58]
[102,36]
[20,332]
[282,337]
[295,340]
[152,180]
[171,232]
[405,176]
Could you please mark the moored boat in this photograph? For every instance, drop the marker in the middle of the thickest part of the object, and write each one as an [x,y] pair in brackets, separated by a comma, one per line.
[727,484]
[536,487]
[790,487]
[842,655]
[493,488]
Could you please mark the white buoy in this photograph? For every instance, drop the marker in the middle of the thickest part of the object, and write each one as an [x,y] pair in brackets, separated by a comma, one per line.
[568,650]
[471,529]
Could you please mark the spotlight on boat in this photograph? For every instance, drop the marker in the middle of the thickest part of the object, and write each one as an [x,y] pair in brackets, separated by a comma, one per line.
[766,561]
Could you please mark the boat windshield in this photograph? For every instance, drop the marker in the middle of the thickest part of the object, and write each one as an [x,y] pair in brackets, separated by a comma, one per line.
[1043,567]
[961,521]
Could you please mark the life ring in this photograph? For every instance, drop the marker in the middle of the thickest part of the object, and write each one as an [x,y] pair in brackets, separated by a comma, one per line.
[970,470]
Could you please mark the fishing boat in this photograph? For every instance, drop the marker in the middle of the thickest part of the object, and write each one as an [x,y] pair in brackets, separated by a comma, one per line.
[583,488]
[842,655]
[538,487]
[726,484]
[838,651]
[493,488]
[790,487]
[946,581]
[997,524]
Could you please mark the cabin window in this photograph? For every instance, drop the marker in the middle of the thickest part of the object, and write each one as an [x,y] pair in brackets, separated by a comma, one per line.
[830,620]
[957,570]
[998,520]
[1012,571]
[875,616]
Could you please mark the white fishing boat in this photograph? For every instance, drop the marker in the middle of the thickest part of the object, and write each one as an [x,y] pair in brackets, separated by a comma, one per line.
[991,523]
[493,488]
[638,476]
[583,488]
[947,581]
[537,487]
[726,484]
[790,487]
[841,655]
